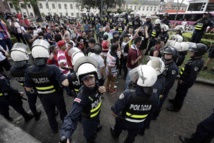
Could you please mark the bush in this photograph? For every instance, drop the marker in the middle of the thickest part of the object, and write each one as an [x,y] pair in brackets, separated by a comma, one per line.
[206,41]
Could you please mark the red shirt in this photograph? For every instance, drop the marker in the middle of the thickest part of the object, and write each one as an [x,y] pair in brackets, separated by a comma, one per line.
[104,46]
[133,54]
[27,22]
[53,61]
[68,59]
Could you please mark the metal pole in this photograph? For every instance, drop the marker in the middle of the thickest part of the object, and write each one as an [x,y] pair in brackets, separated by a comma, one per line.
[101,8]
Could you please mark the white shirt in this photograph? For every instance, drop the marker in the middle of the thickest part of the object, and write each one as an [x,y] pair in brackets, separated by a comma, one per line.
[2,57]
[100,62]
[16,24]
[123,47]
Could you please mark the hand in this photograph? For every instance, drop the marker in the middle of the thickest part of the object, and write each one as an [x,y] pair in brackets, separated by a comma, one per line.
[102,89]
[139,57]
[6,54]
[146,28]
[21,93]
[51,56]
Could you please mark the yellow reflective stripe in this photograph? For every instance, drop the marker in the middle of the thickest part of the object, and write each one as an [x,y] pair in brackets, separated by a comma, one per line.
[1,94]
[21,84]
[136,116]
[47,92]
[76,90]
[95,114]
[45,88]
[92,110]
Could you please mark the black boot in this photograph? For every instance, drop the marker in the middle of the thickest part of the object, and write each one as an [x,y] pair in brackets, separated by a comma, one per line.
[171,100]
[28,117]
[99,127]
[172,108]
[185,140]
[9,118]
[113,133]
[37,115]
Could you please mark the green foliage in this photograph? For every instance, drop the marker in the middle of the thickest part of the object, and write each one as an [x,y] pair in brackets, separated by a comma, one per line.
[207,39]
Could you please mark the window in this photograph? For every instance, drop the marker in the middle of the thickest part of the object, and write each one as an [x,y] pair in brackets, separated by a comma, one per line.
[31,14]
[77,14]
[11,5]
[22,5]
[47,6]
[139,7]
[130,7]
[66,14]
[135,7]
[147,8]
[71,6]
[59,5]
[143,8]
[40,5]
[60,13]
[53,5]
[151,8]
[72,14]
[65,6]
[29,6]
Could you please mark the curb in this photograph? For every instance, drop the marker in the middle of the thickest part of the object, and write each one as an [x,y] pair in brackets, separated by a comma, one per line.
[202,81]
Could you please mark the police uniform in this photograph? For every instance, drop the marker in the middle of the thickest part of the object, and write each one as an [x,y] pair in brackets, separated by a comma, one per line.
[10,97]
[171,70]
[45,79]
[164,36]
[132,109]
[200,28]
[74,84]
[88,104]
[188,75]
[154,34]
[19,75]
[181,58]
[137,23]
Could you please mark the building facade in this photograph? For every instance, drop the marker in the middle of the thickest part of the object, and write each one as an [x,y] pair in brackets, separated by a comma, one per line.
[64,7]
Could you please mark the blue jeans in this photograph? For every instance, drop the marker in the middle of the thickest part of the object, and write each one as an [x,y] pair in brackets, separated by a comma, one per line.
[128,80]
[6,43]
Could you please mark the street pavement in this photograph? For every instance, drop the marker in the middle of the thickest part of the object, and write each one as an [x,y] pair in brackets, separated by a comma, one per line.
[198,106]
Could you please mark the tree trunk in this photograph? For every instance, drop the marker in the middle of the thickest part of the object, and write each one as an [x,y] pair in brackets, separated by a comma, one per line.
[37,12]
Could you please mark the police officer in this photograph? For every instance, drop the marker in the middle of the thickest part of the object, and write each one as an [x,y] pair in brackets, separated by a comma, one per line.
[11,97]
[204,132]
[154,35]
[158,87]
[164,35]
[137,22]
[171,69]
[133,106]
[20,57]
[87,103]
[148,23]
[45,79]
[201,27]
[188,75]
[182,48]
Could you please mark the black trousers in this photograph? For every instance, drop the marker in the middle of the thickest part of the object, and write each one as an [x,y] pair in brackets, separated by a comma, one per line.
[197,36]
[132,128]
[49,102]
[205,132]
[32,98]
[5,65]
[181,93]
[17,105]
[20,37]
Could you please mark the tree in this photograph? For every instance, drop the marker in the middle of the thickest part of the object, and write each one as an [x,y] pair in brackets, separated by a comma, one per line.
[178,5]
[36,10]
[101,4]
[16,5]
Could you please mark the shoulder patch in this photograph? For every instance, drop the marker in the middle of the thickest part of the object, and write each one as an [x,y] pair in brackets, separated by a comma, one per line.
[121,96]
[196,69]
[173,72]
[77,100]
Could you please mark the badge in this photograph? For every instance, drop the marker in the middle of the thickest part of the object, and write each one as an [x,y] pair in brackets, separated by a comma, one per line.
[121,96]
[173,72]
[77,100]
[155,90]
[196,68]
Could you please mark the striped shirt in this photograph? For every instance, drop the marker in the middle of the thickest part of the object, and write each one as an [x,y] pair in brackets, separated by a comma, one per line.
[111,62]
[61,58]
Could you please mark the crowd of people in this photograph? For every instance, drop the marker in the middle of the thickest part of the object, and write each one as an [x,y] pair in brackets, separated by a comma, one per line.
[87,57]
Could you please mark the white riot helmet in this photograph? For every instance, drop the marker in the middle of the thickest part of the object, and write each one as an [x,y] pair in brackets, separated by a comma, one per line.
[40,52]
[177,38]
[184,46]
[165,27]
[85,66]
[148,16]
[144,75]
[157,64]
[157,21]
[19,54]
[40,49]
[177,46]
[170,43]
[75,53]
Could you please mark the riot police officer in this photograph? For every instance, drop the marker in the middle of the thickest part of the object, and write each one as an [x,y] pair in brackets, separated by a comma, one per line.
[154,35]
[11,97]
[133,106]
[45,79]
[204,132]
[188,75]
[182,48]
[137,22]
[87,103]
[200,28]
[171,69]
[20,57]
